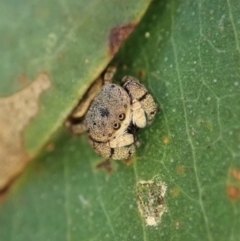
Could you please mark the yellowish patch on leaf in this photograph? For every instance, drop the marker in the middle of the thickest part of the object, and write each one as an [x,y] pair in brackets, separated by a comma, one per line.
[175,192]
[180,169]
[16,112]
[166,140]
[235,173]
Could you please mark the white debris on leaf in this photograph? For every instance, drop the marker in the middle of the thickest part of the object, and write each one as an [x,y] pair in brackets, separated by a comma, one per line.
[150,199]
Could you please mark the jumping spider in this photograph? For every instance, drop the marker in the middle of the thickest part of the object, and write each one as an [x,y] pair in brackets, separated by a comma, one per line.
[114,115]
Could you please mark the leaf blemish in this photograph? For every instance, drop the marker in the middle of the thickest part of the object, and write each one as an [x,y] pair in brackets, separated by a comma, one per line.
[141,74]
[233,186]
[180,170]
[16,112]
[150,200]
[166,140]
[105,165]
[235,174]
[118,35]
[233,192]
[175,192]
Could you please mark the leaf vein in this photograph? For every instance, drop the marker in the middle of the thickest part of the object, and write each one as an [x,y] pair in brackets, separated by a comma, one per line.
[103,207]
[233,25]
[189,139]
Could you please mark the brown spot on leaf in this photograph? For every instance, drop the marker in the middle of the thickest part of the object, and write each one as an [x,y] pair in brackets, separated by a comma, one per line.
[175,192]
[16,111]
[180,169]
[233,192]
[141,74]
[236,173]
[106,165]
[118,35]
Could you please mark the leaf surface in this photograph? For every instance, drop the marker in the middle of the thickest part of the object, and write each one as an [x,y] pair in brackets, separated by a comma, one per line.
[187,54]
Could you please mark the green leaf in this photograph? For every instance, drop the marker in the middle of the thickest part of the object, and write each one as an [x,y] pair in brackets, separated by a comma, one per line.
[187,54]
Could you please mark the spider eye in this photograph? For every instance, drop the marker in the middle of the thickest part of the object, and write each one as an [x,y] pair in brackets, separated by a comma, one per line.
[116,126]
[121,117]
[153,113]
